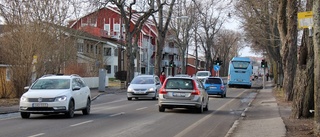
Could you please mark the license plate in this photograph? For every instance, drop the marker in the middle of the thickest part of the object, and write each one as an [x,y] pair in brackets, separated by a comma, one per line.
[139,92]
[213,87]
[179,94]
[40,105]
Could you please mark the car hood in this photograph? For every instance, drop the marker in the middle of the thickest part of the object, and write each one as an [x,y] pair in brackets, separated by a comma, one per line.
[141,86]
[45,93]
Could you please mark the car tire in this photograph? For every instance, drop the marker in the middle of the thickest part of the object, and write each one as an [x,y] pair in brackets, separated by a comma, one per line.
[155,96]
[161,109]
[25,114]
[200,109]
[225,94]
[129,98]
[222,95]
[207,106]
[70,112]
[86,111]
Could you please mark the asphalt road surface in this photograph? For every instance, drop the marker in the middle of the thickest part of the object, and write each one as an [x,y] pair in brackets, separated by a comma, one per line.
[112,115]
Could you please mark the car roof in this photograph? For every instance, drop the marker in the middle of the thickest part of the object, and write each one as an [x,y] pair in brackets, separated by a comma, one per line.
[59,76]
[146,76]
[181,78]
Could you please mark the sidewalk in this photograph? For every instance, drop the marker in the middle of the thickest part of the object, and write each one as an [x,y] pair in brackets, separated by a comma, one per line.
[94,94]
[261,119]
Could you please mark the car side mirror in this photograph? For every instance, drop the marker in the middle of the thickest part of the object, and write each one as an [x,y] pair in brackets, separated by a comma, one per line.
[76,88]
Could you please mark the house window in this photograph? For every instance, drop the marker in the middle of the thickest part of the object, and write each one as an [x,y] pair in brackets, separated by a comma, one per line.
[8,75]
[91,49]
[96,49]
[115,52]
[107,52]
[123,28]
[87,48]
[116,27]
[80,47]
[107,28]
[115,68]
[108,68]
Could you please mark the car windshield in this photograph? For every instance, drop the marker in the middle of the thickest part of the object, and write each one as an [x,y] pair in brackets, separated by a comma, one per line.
[202,74]
[213,81]
[51,84]
[179,84]
[142,80]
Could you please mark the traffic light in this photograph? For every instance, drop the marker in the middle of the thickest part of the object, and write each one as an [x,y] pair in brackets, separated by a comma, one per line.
[171,64]
[218,62]
[263,63]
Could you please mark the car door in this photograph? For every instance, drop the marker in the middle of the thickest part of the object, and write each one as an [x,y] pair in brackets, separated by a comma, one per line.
[77,94]
[203,91]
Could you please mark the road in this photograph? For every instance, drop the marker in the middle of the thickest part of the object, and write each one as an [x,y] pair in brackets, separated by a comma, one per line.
[112,115]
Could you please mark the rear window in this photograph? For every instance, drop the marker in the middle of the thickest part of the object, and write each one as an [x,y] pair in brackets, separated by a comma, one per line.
[142,80]
[179,84]
[213,81]
[203,74]
[240,64]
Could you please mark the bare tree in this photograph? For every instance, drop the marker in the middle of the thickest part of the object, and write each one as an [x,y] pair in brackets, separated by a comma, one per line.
[316,42]
[162,24]
[287,25]
[30,34]
[128,14]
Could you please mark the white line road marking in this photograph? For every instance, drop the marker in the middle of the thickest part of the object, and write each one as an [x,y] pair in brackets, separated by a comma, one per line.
[117,114]
[36,135]
[81,123]
[185,131]
[141,108]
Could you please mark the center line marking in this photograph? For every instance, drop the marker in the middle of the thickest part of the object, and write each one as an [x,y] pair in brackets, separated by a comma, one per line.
[81,123]
[36,135]
[121,113]
[141,108]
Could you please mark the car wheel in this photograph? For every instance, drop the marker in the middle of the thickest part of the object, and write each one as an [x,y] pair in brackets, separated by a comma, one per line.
[86,111]
[155,96]
[161,109]
[70,112]
[225,94]
[25,114]
[129,98]
[207,106]
[200,109]
[222,95]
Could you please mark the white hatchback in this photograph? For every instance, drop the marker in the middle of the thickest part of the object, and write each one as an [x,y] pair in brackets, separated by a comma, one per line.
[56,94]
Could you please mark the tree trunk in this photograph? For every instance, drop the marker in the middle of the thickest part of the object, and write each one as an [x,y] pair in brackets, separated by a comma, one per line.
[316,42]
[287,22]
[303,88]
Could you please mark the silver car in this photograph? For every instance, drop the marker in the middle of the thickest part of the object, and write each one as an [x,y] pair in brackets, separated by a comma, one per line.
[144,86]
[183,92]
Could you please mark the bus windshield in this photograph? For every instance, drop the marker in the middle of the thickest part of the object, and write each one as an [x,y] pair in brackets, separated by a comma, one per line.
[240,64]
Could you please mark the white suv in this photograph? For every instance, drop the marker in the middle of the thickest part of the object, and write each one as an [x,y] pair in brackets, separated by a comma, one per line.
[56,94]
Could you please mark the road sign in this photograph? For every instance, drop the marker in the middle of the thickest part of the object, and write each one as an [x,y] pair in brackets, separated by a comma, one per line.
[216,67]
[305,19]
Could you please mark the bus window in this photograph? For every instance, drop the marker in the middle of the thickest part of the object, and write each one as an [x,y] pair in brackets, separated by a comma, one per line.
[240,64]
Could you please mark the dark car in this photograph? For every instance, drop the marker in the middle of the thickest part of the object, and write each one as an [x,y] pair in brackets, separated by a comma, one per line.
[215,86]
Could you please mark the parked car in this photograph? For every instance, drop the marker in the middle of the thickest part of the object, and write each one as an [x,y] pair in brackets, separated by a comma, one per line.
[56,94]
[144,86]
[215,86]
[183,92]
[201,75]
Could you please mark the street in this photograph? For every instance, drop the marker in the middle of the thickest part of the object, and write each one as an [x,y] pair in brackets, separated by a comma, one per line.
[112,115]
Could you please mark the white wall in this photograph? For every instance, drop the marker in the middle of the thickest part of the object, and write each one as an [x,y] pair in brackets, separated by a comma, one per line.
[93,82]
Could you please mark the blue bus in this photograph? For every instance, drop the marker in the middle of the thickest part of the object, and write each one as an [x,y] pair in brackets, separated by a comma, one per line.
[240,72]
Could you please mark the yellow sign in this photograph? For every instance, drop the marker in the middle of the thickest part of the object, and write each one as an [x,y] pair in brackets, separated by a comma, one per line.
[305,19]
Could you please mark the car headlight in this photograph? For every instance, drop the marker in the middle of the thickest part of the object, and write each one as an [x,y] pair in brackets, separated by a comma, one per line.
[151,89]
[130,90]
[23,99]
[61,98]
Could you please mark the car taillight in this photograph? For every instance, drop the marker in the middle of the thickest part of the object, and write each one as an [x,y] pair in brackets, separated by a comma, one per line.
[162,91]
[195,91]
[222,87]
